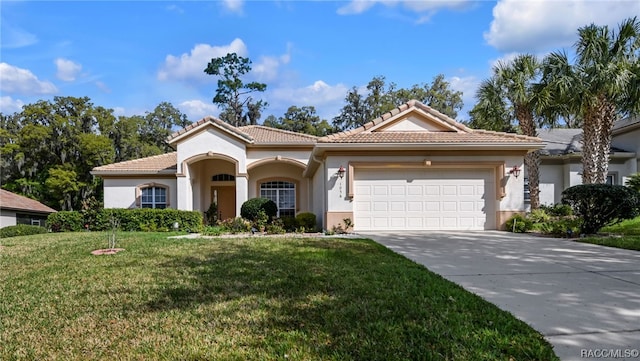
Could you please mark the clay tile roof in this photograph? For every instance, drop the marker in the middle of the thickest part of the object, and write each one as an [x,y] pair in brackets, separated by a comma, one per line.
[17,202]
[459,134]
[163,163]
[267,135]
[213,120]
[432,137]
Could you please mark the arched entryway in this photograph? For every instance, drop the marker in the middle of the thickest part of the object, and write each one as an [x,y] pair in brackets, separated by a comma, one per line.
[281,180]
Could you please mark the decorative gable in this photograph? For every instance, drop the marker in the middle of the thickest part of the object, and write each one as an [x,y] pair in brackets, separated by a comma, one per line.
[414,122]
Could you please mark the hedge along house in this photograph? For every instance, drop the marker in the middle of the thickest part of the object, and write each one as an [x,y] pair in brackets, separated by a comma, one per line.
[410,169]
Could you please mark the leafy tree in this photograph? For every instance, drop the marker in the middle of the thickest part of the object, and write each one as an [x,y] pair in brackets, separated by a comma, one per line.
[491,112]
[381,98]
[512,87]
[437,95]
[300,120]
[49,148]
[598,87]
[160,123]
[238,108]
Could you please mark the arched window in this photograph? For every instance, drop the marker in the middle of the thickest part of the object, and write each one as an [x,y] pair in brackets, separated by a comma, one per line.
[153,196]
[283,193]
[223,178]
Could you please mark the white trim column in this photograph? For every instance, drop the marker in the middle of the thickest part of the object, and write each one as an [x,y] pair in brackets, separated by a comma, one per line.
[242,191]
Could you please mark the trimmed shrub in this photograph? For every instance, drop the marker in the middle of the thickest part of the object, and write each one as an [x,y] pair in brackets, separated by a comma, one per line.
[21,230]
[563,226]
[250,208]
[601,205]
[138,219]
[306,220]
[65,221]
[518,224]
[290,224]
[557,210]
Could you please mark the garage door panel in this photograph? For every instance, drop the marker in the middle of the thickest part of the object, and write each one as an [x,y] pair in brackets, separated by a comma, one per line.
[419,199]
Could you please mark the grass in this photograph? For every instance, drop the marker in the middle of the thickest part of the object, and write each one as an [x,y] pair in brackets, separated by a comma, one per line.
[241,299]
[622,235]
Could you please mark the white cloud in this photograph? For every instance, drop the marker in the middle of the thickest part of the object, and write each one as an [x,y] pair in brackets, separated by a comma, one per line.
[175,8]
[534,26]
[13,37]
[234,6]
[360,6]
[67,69]
[325,98]
[468,86]
[23,81]
[191,66]
[197,109]
[267,67]
[9,105]
[103,87]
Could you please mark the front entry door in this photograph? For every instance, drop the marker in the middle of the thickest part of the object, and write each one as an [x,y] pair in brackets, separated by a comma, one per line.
[225,197]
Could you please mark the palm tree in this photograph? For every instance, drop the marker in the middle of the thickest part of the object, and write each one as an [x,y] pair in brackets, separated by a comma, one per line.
[512,87]
[597,88]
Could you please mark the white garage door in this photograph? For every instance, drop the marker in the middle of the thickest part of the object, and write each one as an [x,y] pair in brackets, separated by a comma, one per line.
[434,199]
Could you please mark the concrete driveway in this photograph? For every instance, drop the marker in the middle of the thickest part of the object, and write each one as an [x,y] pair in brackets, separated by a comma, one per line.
[584,298]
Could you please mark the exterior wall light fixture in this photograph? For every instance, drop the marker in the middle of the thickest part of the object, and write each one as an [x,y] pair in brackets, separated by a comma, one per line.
[515,170]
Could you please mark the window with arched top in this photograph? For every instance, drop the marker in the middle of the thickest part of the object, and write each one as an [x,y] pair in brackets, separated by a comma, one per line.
[223,178]
[152,196]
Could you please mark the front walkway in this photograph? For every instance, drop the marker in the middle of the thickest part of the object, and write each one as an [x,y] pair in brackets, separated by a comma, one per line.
[583,298]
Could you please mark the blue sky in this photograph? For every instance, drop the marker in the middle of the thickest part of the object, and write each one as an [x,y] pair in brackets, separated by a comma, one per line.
[129,56]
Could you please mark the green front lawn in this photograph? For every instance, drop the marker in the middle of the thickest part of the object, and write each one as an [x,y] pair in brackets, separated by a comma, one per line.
[623,235]
[241,299]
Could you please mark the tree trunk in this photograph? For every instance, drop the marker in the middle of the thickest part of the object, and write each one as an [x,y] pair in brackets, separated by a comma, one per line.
[532,163]
[596,141]
[590,131]
[531,160]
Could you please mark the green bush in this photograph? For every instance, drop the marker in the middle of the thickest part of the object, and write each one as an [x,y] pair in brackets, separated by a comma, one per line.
[65,221]
[276,227]
[563,226]
[634,182]
[235,225]
[518,224]
[250,208]
[290,224]
[138,219]
[21,230]
[600,205]
[557,210]
[212,231]
[306,220]
[539,215]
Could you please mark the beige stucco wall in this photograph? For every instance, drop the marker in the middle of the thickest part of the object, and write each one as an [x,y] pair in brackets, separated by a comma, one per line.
[257,155]
[212,140]
[121,192]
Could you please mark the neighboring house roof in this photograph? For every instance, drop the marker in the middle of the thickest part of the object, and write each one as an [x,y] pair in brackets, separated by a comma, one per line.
[626,125]
[17,202]
[157,164]
[266,135]
[561,141]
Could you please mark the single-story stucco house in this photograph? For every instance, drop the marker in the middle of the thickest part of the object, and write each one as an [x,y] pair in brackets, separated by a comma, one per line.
[410,169]
[561,158]
[16,209]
